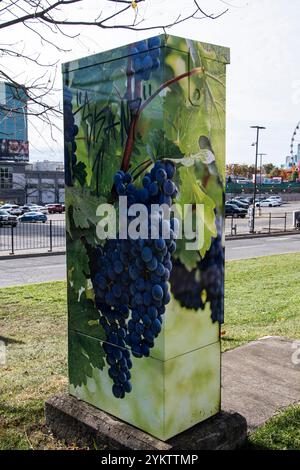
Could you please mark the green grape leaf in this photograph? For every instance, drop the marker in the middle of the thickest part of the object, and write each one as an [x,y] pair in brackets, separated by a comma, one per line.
[85,353]
[84,206]
[189,258]
[215,191]
[191,193]
[162,147]
[83,314]
[77,265]
[200,109]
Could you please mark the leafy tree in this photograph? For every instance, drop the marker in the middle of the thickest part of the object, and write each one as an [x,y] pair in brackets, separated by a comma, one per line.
[294,175]
[275,172]
[268,167]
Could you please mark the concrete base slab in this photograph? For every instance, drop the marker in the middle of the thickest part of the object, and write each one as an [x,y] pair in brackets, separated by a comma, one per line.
[260,378]
[75,421]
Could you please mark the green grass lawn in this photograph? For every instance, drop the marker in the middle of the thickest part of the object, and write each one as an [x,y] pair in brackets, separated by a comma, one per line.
[282,432]
[261,299]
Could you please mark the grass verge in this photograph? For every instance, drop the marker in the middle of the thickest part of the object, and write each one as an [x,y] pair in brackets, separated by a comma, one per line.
[261,299]
[282,432]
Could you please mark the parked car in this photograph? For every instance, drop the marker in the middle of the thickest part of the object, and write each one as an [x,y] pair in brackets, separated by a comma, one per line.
[7,219]
[267,203]
[276,198]
[15,210]
[36,208]
[249,199]
[55,208]
[33,217]
[239,203]
[6,207]
[234,211]
[244,200]
[26,208]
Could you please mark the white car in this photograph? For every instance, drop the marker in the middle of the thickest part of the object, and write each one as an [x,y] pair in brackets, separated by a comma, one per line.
[268,203]
[276,198]
[36,208]
[6,207]
[15,210]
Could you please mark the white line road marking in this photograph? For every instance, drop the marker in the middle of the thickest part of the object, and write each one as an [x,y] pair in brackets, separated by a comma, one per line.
[275,239]
[245,246]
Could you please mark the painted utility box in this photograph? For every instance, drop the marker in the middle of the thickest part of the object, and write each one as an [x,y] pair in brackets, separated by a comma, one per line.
[147,122]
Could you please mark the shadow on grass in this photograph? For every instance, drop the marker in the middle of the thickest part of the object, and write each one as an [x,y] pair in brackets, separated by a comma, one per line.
[16,415]
[10,340]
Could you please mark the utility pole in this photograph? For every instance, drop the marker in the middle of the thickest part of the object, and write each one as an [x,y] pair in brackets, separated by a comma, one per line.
[261,155]
[258,128]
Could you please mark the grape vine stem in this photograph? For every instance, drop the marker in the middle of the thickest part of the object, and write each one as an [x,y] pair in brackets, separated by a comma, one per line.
[134,121]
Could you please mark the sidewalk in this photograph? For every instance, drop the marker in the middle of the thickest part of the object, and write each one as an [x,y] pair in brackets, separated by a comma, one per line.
[245,236]
[32,253]
[259,378]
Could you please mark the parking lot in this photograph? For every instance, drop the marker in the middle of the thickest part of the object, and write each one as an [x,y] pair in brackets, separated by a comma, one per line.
[51,235]
[30,236]
[266,218]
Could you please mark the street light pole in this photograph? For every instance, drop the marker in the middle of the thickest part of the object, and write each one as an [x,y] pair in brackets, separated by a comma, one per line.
[255,175]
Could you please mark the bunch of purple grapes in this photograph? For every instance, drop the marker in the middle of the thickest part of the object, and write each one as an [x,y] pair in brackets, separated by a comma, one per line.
[146,57]
[130,277]
[70,132]
[193,289]
[212,278]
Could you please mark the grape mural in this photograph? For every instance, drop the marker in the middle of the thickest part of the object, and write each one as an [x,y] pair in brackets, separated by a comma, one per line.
[143,311]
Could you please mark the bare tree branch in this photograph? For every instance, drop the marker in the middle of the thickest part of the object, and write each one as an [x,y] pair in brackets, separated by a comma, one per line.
[49,20]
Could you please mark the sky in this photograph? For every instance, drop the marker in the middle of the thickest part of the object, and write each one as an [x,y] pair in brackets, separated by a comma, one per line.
[263,79]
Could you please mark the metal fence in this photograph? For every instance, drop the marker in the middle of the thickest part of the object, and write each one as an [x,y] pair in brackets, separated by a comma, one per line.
[52,234]
[30,236]
[248,188]
[265,223]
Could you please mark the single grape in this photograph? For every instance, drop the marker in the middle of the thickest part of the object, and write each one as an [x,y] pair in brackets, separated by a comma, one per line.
[157,292]
[153,188]
[147,62]
[142,46]
[169,187]
[146,254]
[154,42]
[146,181]
[118,266]
[161,176]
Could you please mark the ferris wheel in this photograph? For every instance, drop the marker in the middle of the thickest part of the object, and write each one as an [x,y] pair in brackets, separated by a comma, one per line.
[293,141]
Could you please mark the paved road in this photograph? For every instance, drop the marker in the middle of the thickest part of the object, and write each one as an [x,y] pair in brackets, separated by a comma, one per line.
[31,270]
[42,269]
[252,247]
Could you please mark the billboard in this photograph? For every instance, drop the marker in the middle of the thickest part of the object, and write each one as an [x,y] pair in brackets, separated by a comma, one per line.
[13,124]
[17,150]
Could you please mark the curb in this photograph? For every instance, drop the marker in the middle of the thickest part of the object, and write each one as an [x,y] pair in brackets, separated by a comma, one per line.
[32,255]
[227,237]
[261,235]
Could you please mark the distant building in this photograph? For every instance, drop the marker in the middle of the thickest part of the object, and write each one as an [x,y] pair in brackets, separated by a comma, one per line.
[293,160]
[39,182]
[13,124]
[21,182]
